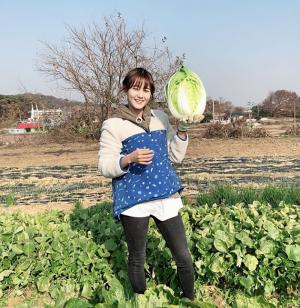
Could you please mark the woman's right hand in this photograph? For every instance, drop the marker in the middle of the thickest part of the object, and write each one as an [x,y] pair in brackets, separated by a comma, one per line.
[141,156]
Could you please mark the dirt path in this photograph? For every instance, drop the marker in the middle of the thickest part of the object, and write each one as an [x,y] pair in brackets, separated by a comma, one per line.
[86,153]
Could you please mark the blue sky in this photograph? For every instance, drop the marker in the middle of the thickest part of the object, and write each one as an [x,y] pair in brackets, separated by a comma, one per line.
[242,50]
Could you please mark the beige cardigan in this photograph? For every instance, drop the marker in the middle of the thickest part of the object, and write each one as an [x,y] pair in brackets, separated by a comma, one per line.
[115,130]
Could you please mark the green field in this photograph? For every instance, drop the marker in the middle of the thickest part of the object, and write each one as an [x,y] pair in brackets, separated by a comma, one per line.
[245,255]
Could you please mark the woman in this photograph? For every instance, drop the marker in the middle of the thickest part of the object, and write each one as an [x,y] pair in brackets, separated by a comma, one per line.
[136,147]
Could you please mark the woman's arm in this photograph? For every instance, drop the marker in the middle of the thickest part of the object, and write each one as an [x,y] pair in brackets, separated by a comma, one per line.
[177,143]
[109,157]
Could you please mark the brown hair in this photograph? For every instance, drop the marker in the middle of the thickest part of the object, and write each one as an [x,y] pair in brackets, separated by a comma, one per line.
[136,77]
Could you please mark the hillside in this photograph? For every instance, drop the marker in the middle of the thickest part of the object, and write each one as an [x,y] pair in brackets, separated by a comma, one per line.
[16,107]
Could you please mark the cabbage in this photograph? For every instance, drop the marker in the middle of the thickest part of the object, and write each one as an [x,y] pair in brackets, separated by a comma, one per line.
[185,95]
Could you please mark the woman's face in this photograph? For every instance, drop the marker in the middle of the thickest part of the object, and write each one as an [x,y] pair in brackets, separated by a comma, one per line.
[138,96]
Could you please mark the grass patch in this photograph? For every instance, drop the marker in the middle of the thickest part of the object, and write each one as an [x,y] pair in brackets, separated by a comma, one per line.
[8,200]
[227,194]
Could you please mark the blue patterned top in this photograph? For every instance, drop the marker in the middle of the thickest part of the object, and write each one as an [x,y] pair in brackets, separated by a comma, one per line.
[142,183]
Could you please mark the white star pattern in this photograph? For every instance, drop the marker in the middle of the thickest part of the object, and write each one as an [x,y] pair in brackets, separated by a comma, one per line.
[146,186]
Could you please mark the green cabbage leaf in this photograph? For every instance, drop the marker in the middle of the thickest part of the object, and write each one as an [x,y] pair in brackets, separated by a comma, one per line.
[186,95]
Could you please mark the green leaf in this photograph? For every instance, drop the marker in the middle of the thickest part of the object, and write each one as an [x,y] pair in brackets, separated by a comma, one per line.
[29,248]
[55,292]
[102,251]
[226,237]
[4,274]
[217,265]
[199,263]
[23,265]
[293,252]
[220,245]
[243,236]
[17,249]
[247,283]
[86,290]
[272,230]
[266,246]
[269,287]
[295,231]
[40,239]
[18,230]
[250,262]
[243,301]
[19,292]
[43,284]
[110,245]
[77,303]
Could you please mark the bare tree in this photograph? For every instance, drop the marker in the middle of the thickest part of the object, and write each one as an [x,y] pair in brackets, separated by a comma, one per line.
[281,103]
[220,106]
[94,60]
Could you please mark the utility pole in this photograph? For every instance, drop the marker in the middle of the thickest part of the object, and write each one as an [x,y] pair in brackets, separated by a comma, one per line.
[213,111]
[249,114]
[294,115]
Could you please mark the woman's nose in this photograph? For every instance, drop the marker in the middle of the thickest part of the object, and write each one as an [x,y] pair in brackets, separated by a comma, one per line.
[140,93]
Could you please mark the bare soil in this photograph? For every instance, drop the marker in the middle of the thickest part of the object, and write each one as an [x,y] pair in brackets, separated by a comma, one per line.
[53,176]
[86,153]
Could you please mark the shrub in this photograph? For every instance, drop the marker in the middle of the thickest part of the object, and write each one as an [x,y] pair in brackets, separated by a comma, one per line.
[81,124]
[256,132]
[293,131]
[224,131]
[216,130]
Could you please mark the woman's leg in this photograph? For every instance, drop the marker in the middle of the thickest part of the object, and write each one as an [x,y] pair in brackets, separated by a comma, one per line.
[135,229]
[174,234]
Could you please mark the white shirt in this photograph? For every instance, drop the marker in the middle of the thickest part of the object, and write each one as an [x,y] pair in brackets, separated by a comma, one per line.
[162,209]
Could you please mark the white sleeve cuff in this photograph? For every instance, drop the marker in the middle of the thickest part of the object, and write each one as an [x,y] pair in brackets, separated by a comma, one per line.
[184,140]
[122,170]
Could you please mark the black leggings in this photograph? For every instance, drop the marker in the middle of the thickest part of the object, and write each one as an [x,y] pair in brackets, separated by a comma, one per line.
[172,229]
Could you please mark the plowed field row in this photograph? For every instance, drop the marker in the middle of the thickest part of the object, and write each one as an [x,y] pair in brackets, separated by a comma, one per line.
[40,185]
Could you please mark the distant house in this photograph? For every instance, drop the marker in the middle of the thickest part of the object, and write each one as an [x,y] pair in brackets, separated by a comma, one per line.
[225,118]
[219,118]
[40,118]
[235,116]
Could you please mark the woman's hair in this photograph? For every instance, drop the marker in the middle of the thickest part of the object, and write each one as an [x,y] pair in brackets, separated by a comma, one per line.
[136,77]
